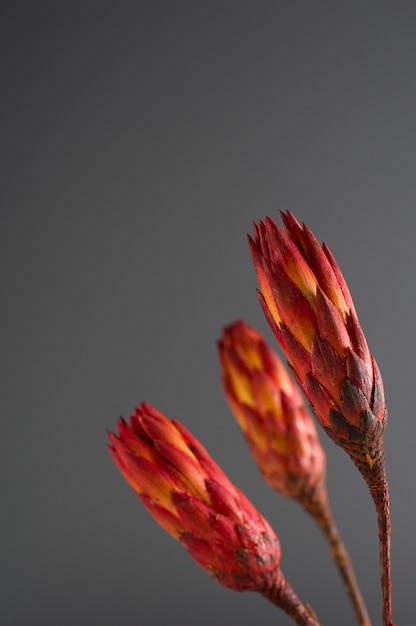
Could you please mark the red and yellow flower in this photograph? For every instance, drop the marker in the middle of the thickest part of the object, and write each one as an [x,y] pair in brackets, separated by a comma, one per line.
[308,305]
[193,500]
[270,411]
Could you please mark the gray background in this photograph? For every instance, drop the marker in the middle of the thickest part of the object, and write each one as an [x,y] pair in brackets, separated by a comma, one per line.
[139,141]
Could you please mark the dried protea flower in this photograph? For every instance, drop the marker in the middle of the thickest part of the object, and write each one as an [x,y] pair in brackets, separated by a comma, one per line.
[281,435]
[270,412]
[308,305]
[193,500]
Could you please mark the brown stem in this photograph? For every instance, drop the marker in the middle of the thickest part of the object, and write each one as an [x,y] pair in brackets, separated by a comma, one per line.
[372,466]
[315,502]
[282,595]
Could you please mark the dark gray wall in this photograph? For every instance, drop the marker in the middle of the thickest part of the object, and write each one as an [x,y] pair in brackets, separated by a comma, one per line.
[139,141]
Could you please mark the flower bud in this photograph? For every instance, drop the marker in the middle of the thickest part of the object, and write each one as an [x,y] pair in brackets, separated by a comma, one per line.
[192,499]
[308,305]
[270,411]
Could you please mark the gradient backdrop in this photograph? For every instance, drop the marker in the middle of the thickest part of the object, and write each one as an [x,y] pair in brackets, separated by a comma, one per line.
[139,141]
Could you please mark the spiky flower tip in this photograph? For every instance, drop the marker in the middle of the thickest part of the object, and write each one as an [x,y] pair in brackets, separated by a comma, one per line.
[282,436]
[192,499]
[309,308]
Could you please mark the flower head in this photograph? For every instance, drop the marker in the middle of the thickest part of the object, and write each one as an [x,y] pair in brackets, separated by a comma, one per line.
[308,305]
[193,500]
[270,411]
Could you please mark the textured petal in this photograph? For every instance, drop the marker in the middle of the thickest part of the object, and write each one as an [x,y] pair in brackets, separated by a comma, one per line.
[163,431]
[129,441]
[223,499]
[320,401]
[194,515]
[327,367]
[286,254]
[168,520]
[274,325]
[294,309]
[264,277]
[297,356]
[353,403]
[323,271]
[331,325]
[295,230]
[340,279]
[359,374]
[201,550]
[266,393]
[378,403]
[358,341]
[206,462]
[185,464]
[149,479]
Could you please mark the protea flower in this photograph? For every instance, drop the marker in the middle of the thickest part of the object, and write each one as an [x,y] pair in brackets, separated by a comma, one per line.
[270,411]
[308,305]
[281,435]
[192,499]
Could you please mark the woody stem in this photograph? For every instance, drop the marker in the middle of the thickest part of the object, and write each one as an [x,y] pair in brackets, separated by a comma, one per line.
[283,596]
[373,471]
[315,502]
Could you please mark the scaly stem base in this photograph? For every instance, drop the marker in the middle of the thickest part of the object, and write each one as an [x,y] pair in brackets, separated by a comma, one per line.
[282,595]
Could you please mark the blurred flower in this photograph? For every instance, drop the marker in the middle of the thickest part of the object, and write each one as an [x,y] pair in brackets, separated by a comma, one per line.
[308,305]
[192,499]
[270,412]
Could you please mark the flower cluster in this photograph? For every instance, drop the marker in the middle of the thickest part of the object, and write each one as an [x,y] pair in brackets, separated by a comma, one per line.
[310,311]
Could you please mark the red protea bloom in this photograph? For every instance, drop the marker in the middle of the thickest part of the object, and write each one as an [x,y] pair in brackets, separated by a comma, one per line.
[282,436]
[192,499]
[308,305]
[271,412]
